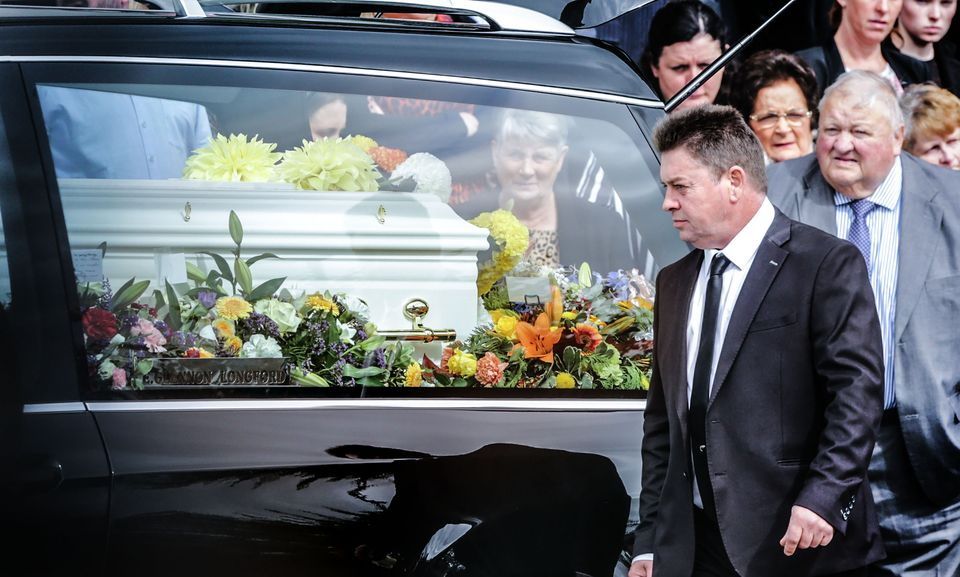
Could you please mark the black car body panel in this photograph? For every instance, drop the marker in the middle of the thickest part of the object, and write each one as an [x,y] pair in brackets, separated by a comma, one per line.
[302,482]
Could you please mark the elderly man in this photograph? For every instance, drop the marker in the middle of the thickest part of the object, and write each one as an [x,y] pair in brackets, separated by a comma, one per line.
[904,216]
[767,377]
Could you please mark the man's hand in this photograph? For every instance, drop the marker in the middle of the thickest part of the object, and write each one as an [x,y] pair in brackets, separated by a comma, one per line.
[641,569]
[805,531]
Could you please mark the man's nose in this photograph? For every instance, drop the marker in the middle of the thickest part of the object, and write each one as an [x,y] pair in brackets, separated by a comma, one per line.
[669,202]
[843,142]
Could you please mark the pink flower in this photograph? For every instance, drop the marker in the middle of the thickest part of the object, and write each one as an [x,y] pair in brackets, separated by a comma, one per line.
[490,370]
[119,378]
[152,337]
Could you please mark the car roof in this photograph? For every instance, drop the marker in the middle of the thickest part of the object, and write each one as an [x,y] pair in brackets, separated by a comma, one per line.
[561,61]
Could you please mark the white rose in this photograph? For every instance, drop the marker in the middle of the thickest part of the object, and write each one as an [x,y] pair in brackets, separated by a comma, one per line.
[261,347]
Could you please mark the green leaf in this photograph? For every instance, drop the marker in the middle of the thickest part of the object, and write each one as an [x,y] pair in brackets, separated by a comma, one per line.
[158,300]
[267,289]
[221,264]
[373,343]
[305,379]
[125,286]
[354,372]
[103,249]
[128,294]
[244,278]
[236,229]
[254,259]
[144,366]
[173,319]
[459,382]
[370,382]
[571,358]
[586,381]
[584,277]
[194,273]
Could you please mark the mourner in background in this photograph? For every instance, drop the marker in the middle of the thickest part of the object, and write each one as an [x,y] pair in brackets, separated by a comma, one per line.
[919,33]
[932,117]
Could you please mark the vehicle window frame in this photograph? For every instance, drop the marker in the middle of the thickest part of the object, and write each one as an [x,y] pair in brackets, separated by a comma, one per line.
[221,74]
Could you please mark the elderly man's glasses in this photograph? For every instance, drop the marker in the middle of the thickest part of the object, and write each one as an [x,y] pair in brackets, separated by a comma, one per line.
[770,119]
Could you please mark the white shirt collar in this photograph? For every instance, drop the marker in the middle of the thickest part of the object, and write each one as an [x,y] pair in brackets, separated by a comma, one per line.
[744,246]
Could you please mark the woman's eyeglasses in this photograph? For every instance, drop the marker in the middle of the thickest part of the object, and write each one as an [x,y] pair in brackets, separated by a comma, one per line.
[770,119]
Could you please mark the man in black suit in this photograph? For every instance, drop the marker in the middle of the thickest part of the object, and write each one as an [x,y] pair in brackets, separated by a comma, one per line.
[766,393]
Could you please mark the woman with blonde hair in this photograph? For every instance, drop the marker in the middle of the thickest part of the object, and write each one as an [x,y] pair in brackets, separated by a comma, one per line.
[932,116]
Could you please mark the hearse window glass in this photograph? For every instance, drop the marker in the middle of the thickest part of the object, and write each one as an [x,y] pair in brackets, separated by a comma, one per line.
[236,238]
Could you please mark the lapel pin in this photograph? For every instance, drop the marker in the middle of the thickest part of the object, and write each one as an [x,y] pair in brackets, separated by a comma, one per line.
[774,263]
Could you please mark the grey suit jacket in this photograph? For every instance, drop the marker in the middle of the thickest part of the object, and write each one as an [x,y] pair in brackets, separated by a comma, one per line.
[927,325]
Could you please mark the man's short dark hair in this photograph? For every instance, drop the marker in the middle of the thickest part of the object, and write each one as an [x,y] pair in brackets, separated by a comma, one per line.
[718,137]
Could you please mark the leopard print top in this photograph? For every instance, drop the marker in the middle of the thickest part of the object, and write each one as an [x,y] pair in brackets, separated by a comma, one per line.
[544,248]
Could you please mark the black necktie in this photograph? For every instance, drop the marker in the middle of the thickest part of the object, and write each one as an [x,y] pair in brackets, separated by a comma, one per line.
[701,381]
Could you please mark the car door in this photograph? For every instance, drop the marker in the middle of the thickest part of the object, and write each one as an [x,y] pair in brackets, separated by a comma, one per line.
[57,494]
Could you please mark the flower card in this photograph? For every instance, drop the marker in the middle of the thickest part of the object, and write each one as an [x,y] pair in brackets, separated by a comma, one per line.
[88,264]
[528,290]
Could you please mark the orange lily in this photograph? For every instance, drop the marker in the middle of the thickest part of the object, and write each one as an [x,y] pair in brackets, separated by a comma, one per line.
[539,338]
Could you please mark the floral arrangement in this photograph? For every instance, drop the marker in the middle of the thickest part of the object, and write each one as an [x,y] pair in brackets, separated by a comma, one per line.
[330,164]
[325,339]
[512,238]
[234,159]
[594,333]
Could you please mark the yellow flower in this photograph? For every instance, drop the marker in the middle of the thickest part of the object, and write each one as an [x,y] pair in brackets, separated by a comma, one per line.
[511,236]
[414,375]
[329,164]
[569,315]
[505,323]
[224,327]
[233,345]
[233,159]
[463,364]
[364,143]
[233,308]
[565,381]
[205,354]
[319,302]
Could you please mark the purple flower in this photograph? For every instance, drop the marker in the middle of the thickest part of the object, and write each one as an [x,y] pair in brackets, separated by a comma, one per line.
[261,324]
[618,284]
[207,299]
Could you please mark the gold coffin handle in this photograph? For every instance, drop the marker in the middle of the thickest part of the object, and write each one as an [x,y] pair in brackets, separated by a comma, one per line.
[424,335]
[414,310]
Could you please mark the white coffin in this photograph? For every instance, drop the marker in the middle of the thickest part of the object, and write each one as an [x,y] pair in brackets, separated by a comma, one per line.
[327,240]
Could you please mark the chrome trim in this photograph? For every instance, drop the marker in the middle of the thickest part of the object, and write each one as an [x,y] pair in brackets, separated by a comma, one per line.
[189,9]
[344,70]
[36,408]
[324,404]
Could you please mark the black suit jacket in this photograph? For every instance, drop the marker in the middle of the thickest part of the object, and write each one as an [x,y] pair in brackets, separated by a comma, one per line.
[828,65]
[794,409]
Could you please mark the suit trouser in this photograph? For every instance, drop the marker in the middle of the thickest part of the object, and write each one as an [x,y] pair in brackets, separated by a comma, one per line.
[921,539]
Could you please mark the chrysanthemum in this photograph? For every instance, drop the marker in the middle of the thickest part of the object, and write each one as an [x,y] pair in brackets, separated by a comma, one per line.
[233,308]
[319,302]
[233,159]
[329,164]
[414,375]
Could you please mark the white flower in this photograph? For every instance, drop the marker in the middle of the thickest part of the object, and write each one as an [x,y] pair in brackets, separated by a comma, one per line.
[261,347]
[106,369]
[429,172]
[284,314]
[208,333]
[346,332]
[355,305]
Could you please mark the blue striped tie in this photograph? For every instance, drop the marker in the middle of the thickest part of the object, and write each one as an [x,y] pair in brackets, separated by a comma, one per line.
[859,234]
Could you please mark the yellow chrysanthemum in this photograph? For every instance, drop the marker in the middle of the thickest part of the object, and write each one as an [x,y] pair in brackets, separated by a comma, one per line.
[319,302]
[565,381]
[329,164]
[233,159]
[233,308]
[233,345]
[224,327]
[569,315]
[364,143]
[511,236]
[414,375]
[463,364]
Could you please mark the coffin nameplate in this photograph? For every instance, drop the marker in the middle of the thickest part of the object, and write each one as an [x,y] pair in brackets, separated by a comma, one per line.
[222,372]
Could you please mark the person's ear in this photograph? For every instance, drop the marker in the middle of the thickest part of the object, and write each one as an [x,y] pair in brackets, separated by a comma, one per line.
[563,156]
[736,176]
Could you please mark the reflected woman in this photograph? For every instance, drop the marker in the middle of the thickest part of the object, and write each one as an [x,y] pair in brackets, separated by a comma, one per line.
[528,153]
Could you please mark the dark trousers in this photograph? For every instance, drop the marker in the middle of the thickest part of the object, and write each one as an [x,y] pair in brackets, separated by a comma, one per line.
[711,559]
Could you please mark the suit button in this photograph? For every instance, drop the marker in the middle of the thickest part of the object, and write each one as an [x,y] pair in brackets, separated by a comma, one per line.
[702,448]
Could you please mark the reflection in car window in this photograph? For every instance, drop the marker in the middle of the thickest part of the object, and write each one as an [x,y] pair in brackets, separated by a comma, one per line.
[229,236]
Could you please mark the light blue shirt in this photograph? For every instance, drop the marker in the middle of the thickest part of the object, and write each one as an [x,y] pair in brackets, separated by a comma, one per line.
[884,225]
[97,134]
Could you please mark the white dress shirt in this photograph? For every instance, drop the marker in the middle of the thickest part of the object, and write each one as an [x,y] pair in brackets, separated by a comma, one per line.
[740,251]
